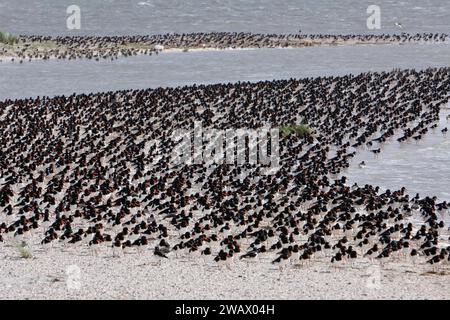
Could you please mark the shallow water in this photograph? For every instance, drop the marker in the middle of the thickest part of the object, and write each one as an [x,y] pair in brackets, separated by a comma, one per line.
[422,167]
[56,77]
[268,16]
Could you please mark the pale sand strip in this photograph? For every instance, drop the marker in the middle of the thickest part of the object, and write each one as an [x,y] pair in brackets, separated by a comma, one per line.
[52,274]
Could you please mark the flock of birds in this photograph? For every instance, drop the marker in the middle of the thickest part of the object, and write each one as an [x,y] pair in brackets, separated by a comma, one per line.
[95,170]
[112,47]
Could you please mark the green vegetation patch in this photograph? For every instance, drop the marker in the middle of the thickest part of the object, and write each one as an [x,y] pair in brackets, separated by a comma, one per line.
[301,130]
[8,38]
[24,250]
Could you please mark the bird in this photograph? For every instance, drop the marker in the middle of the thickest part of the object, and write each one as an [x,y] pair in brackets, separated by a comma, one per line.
[160,253]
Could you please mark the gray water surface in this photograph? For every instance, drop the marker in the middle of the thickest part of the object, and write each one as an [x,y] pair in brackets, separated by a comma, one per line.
[113,17]
[56,77]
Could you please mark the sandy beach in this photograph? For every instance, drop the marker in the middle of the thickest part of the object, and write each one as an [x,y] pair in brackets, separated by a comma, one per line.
[74,274]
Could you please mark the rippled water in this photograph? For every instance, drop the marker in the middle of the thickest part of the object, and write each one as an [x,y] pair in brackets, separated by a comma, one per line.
[164,16]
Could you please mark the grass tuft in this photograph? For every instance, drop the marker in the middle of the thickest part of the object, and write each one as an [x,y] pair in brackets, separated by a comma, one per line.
[24,250]
[301,130]
[8,38]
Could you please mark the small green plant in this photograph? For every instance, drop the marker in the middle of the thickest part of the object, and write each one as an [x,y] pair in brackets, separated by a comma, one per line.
[24,250]
[8,38]
[301,130]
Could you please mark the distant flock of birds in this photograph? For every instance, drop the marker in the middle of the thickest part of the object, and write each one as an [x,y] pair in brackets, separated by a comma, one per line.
[111,47]
[83,171]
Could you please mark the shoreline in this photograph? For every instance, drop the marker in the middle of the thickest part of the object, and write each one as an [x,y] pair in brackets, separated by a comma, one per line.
[71,48]
[8,59]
